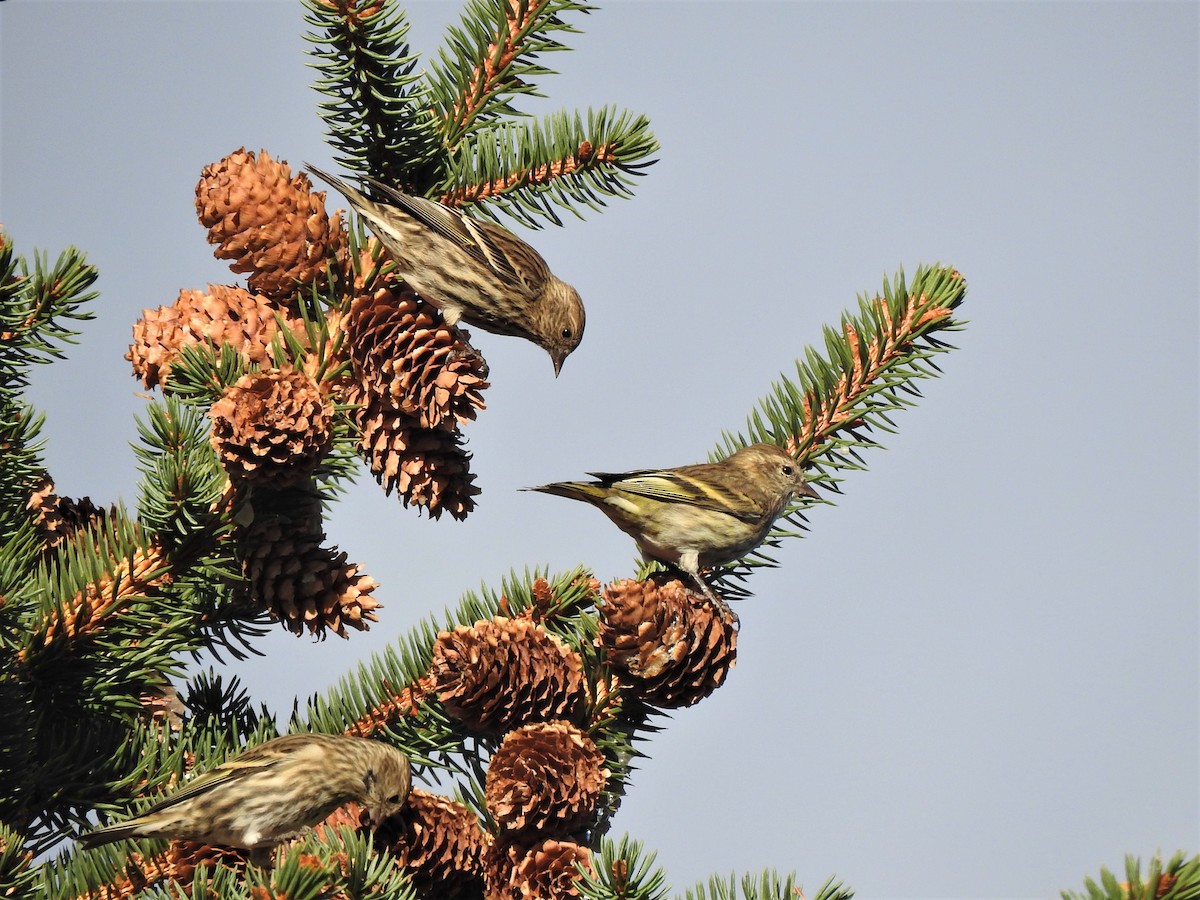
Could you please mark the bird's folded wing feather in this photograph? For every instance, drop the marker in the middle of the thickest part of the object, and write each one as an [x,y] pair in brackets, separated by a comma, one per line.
[668,487]
[239,767]
[197,786]
[472,236]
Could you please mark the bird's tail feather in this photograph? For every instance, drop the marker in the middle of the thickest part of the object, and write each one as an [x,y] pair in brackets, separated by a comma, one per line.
[99,836]
[351,193]
[574,490]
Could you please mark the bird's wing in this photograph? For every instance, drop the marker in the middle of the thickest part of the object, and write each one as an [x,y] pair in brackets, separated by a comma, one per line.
[198,785]
[610,478]
[486,243]
[669,487]
[256,759]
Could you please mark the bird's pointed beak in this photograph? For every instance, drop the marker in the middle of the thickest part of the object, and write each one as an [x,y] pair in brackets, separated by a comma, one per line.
[558,359]
[806,490]
[376,817]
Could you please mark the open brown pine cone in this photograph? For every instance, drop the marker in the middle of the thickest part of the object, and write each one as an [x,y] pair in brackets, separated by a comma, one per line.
[272,428]
[671,647]
[502,673]
[542,870]
[302,583]
[225,314]
[401,343]
[401,347]
[427,467]
[546,777]
[439,843]
[267,222]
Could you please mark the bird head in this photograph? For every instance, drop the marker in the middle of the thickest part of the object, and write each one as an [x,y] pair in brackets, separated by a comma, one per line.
[559,320]
[386,782]
[778,474]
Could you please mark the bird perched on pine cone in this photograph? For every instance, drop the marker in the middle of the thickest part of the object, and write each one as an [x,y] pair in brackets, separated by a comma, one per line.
[472,270]
[271,792]
[696,517]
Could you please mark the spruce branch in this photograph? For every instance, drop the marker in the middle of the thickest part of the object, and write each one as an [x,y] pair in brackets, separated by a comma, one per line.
[188,503]
[490,59]
[830,411]
[1177,879]
[150,872]
[124,574]
[767,885]
[18,876]
[35,307]
[99,575]
[526,169]
[23,484]
[378,115]
[185,498]
[453,132]
[622,870]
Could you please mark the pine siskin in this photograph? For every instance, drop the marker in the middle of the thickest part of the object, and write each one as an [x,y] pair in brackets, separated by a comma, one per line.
[271,792]
[695,517]
[472,270]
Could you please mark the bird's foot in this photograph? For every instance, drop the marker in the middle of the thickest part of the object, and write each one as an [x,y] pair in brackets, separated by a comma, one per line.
[466,351]
[263,857]
[720,603]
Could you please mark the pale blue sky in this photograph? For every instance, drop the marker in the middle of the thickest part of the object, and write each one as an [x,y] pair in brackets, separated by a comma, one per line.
[978,677]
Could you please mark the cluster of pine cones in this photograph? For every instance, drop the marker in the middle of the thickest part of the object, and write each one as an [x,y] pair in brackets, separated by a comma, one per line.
[512,680]
[408,382]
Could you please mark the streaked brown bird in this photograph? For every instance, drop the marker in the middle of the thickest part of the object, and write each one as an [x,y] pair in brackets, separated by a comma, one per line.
[696,517]
[270,793]
[472,270]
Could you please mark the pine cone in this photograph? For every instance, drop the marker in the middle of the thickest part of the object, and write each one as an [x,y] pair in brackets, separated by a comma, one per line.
[302,583]
[426,467]
[545,777]
[1166,882]
[177,864]
[226,314]
[272,428]
[267,222]
[58,518]
[673,648]
[440,844]
[544,870]
[355,12]
[547,604]
[161,703]
[108,595]
[401,347]
[501,673]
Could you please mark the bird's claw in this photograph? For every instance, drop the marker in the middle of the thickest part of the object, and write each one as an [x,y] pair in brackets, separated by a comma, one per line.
[720,603]
[468,352]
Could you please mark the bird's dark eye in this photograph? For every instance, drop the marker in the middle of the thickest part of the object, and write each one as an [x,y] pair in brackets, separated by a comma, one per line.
[395,798]
[566,333]
[788,470]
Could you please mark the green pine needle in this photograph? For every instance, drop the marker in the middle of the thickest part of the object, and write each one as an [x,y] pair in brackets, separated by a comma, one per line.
[621,870]
[828,413]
